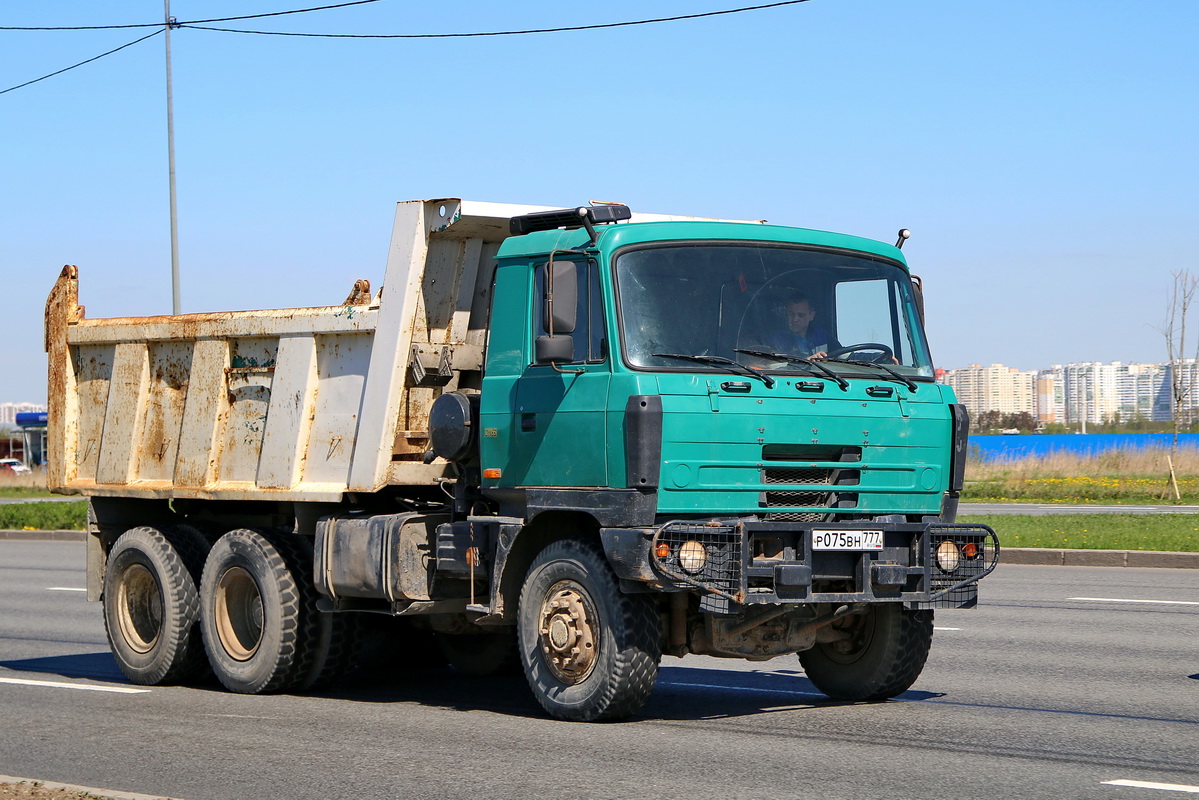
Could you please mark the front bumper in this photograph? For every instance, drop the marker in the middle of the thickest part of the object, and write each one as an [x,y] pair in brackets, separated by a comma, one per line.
[754,562]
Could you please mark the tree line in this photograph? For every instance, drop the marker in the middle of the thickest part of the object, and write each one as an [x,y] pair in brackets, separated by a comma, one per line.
[995,422]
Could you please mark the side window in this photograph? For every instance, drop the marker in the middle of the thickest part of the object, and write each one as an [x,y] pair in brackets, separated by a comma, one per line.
[871,311]
[589,335]
[864,313]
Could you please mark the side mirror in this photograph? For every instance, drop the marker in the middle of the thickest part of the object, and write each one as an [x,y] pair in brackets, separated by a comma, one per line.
[551,349]
[561,297]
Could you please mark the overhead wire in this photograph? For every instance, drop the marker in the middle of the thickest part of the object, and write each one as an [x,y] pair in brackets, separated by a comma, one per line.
[197,23]
[193,21]
[202,27]
[205,25]
[81,63]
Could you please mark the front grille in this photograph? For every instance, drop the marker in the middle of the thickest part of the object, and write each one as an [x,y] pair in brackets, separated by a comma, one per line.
[811,452]
[799,476]
[798,516]
[773,500]
[795,475]
[721,544]
[986,548]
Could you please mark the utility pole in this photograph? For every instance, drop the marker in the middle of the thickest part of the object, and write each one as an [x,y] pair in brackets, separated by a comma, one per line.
[175,302]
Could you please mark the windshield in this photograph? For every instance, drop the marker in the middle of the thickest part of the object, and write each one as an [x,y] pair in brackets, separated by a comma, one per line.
[711,299]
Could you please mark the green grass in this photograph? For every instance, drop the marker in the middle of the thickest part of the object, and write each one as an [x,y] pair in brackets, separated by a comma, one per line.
[1118,476]
[67,516]
[1168,532]
[13,492]
[1115,489]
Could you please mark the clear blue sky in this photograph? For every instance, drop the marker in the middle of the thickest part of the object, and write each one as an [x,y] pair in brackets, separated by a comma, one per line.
[1044,155]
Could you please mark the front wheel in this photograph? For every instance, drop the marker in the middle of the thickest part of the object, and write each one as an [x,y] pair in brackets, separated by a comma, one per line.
[590,652]
[880,656]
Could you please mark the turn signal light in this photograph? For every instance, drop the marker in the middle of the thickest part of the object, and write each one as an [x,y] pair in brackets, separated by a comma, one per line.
[970,550]
[491,473]
[662,551]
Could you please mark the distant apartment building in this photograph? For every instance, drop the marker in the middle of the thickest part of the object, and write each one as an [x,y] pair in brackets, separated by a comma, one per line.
[9,411]
[1145,391]
[1050,397]
[1092,392]
[993,388]
[1188,405]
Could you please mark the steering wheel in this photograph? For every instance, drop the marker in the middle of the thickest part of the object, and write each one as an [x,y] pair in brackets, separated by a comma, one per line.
[884,353]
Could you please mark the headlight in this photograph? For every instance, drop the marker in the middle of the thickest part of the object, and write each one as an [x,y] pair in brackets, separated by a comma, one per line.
[948,556]
[692,556]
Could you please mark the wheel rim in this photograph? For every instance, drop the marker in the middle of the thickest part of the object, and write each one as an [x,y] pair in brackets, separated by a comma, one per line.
[568,632]
[860,632]
[139,608]
[239,613]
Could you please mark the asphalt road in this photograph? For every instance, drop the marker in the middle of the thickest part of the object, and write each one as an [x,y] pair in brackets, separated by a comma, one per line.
[1038,693]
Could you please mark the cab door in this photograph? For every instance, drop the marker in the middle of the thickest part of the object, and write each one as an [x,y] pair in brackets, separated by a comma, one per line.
[557,431]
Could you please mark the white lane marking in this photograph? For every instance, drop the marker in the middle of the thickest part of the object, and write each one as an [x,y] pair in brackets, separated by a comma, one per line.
[1119,600]
[64,589]
[1167,787]
[935,628]
[84,686]
[1099,509]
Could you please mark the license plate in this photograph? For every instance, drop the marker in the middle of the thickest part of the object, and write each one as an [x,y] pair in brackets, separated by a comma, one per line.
[847,540]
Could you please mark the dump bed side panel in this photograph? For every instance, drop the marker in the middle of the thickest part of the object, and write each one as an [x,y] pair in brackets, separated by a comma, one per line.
[288,404]
[211,405]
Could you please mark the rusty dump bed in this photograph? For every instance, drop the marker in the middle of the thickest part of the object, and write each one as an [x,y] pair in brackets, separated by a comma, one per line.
[291,404]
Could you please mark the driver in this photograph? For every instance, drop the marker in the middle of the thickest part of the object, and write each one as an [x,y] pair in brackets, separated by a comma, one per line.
[803,335]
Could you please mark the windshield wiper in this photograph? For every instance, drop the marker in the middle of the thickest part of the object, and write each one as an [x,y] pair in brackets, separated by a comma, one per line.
[892,373]
[729,364]
[813,367]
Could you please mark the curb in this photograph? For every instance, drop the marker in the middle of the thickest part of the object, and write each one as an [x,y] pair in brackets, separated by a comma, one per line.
[1028,556]
[45,536]
[1098,558]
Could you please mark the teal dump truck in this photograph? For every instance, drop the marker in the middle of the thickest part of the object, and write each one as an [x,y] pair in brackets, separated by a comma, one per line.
[569,441]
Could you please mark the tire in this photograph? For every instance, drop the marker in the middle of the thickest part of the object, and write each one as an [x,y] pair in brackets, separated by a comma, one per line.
[335,650]
[258,628]
[151,604]
[327,643]
[883,657]
[482,654]
[571,601]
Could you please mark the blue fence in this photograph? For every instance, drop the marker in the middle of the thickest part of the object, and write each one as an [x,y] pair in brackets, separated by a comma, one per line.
[1008,447]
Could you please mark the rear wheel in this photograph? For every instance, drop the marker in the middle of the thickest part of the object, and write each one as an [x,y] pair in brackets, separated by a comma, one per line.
[257,627]
[589,651]
[151,604]
[881,656]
